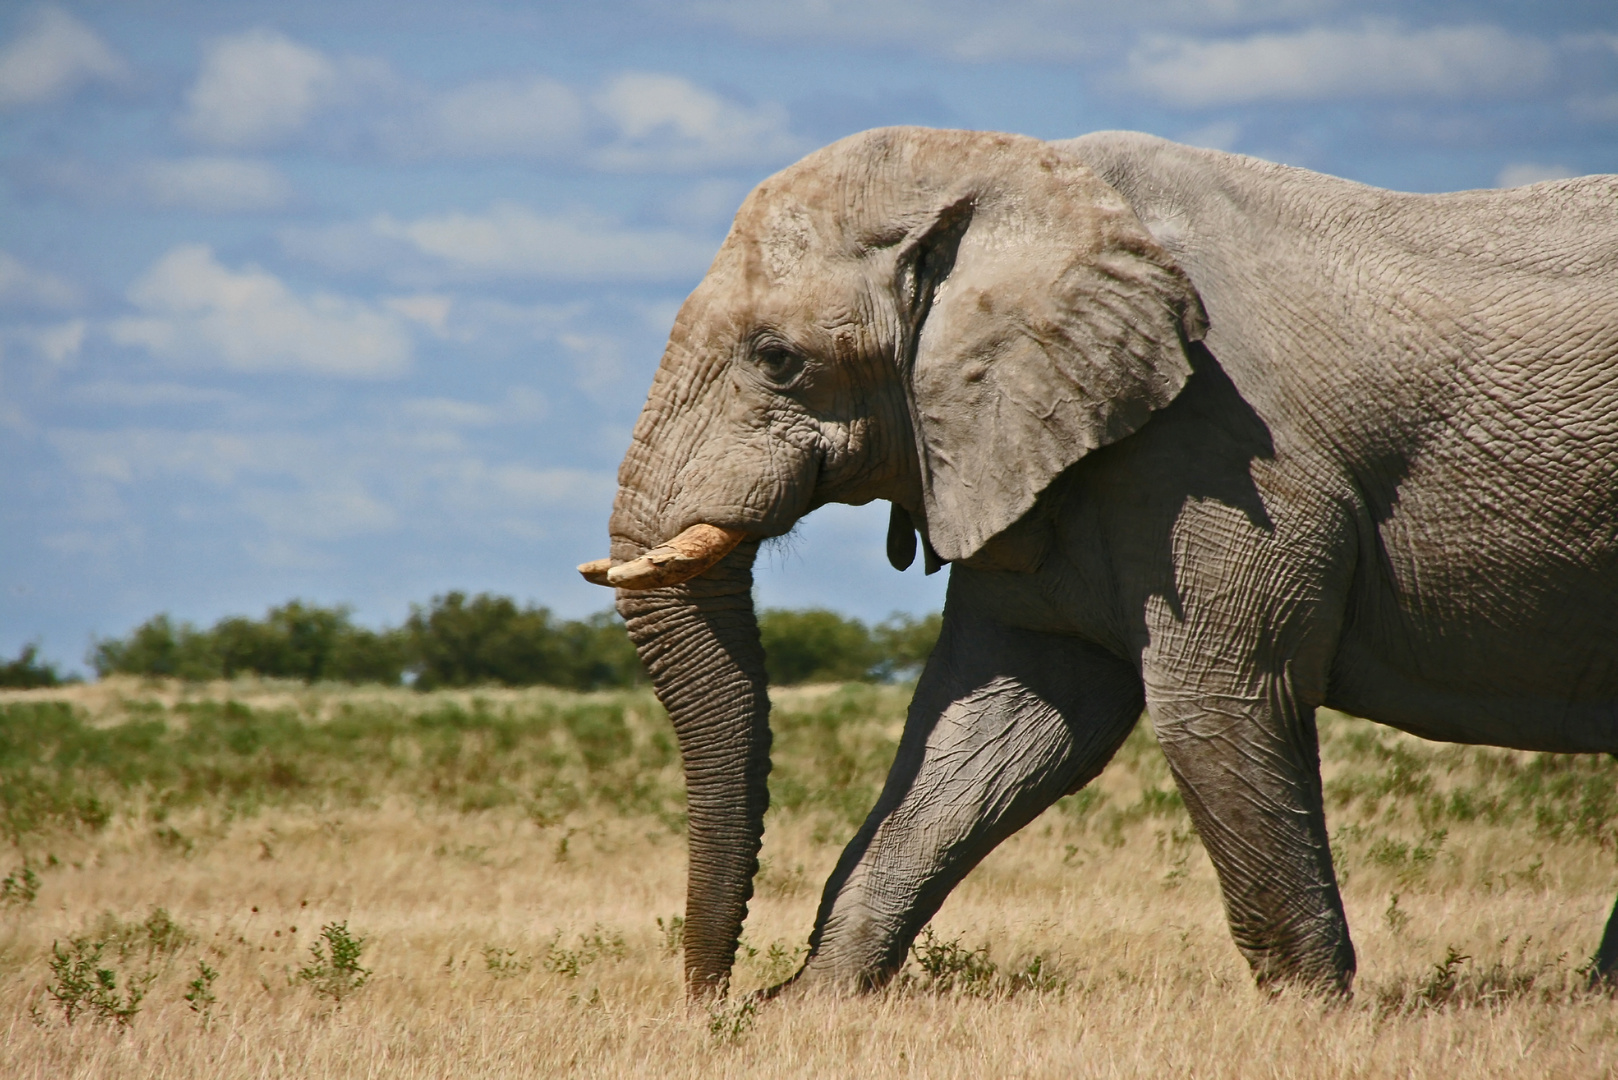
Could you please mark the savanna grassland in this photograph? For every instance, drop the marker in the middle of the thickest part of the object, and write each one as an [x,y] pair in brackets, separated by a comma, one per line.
[262,879]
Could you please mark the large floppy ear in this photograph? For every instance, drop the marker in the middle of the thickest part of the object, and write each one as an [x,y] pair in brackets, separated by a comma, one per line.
[1044,322]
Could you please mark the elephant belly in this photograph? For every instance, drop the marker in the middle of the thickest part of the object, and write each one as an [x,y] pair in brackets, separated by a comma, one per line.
[1368,684]
[1479,638]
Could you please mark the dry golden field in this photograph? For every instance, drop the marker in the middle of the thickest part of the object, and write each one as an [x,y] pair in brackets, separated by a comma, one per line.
[504,859]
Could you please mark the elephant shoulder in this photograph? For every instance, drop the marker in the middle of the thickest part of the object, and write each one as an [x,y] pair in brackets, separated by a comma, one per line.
[1181,194]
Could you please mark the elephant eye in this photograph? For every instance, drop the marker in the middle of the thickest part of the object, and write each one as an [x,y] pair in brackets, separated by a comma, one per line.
[779,365]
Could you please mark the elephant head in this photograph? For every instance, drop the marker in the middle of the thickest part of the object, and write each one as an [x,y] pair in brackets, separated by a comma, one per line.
[944,319]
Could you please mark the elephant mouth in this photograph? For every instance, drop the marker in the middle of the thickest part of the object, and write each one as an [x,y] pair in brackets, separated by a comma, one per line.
[673,562]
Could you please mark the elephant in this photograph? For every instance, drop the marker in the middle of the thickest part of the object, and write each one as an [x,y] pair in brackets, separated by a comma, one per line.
[1196,434]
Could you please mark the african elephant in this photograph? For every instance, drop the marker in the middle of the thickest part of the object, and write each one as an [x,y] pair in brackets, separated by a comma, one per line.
[1200,433]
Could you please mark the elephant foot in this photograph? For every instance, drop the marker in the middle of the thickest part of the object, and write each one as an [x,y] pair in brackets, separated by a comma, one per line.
[1332,981]
[787,989]
[820,980]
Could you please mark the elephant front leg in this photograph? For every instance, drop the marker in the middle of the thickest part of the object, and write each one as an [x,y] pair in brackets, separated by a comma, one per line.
[1004,722]
[1248,767]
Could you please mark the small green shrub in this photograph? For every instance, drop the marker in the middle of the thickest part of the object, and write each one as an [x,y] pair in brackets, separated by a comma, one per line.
[598,944]
[1395,916]
[19,888]
[730,1021]
[1039,976]
[155,937]
[673,933]
[1455,982]
[949,968]
[334,970]
[82,987]
[199,996]
[504,963]
[780,962]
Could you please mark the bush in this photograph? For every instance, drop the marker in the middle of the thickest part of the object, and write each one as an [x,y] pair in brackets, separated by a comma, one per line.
[158,647]
[489,639]
[904,643]
[82,987]
[333,969]
[27,673]
[816,645]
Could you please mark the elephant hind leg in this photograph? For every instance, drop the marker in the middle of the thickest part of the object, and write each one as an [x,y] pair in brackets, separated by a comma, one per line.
[1604,965]
[1004,722]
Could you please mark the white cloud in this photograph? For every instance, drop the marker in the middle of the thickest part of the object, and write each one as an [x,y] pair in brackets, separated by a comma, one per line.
[548,487]
[521,405]
[532,117]
[23,286]
[351,247]
[54,55]
[1600,108]
[1379,59]
[215,185]
[128,395]
[706,203]
[637,122]
[666,122]
[362,478]
[260,87]
[1010,30]
[330,508]
[1518,173]
[130,454]
[60,344]
[428,309]
[295,486]
[511,240]
[1219,135]
[197,311]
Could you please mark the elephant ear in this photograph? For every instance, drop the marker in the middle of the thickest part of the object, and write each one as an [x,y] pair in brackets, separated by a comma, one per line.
[1044,322]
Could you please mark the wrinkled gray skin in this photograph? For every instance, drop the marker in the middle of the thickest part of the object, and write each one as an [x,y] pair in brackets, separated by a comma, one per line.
[1201,433]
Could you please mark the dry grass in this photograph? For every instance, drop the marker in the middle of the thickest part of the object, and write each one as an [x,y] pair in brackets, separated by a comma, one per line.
[518,936]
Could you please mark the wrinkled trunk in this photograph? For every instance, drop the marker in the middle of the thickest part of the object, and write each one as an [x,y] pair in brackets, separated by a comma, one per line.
[700,643]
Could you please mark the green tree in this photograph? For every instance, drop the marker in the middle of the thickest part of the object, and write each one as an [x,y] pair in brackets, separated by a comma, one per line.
[904,643]
[369,656]
[600,654]
[26,672]
[297,640]
[158,647]
[815,645]
[294,641]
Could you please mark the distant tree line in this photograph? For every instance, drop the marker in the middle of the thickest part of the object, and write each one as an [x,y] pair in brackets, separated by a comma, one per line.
[458,641]
[28,672]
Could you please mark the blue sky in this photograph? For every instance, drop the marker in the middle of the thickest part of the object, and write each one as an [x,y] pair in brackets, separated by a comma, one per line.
[357,302]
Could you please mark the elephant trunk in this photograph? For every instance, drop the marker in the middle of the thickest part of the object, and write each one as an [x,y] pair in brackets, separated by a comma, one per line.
[700,644]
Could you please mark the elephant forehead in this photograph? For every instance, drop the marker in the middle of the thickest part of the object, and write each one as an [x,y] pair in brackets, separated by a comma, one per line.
[785,240]
[803,291]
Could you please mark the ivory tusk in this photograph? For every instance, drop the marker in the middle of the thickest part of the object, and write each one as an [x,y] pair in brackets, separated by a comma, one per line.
[678,560]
